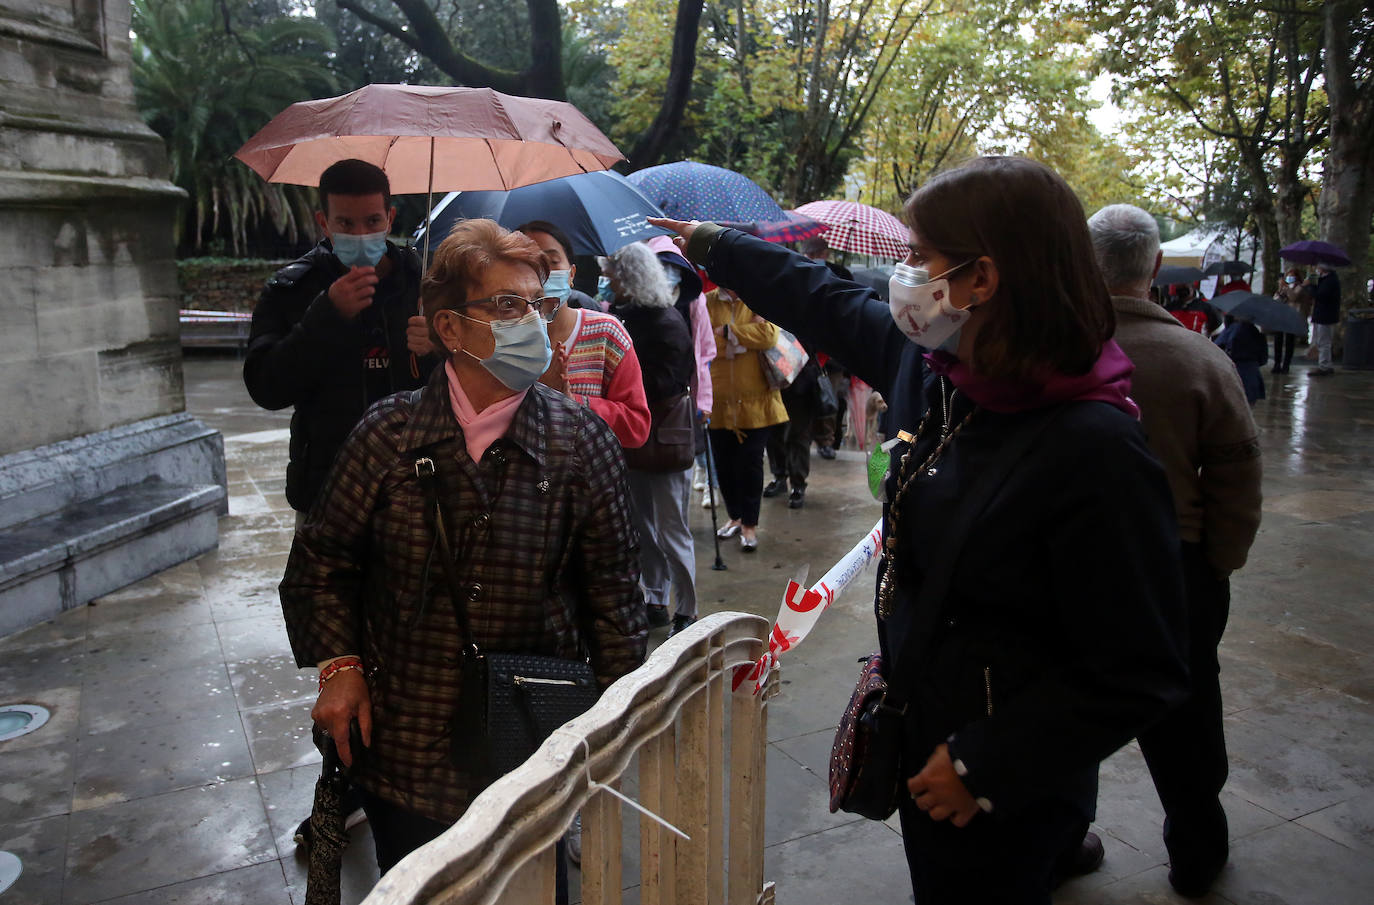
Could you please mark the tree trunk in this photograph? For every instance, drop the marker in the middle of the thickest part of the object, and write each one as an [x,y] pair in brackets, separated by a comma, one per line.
[1347,199]
[655,142]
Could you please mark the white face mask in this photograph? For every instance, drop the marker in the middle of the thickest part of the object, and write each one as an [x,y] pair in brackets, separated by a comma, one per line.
[921,307]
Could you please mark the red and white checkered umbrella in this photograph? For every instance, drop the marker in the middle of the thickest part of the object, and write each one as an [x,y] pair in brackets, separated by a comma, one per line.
[860,229]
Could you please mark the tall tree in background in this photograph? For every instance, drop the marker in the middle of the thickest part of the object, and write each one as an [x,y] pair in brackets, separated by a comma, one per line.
[1244,71]
[440,31]
[982,78]
[1346,207]
[782,87]
[207,75]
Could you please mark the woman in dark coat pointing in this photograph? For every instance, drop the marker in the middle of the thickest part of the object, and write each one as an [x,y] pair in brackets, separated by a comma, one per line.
[1058,639]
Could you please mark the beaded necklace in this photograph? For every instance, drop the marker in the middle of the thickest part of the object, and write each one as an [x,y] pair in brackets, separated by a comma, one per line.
[906,476]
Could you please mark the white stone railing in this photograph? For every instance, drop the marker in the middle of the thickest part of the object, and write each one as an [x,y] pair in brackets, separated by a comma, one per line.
[671,712]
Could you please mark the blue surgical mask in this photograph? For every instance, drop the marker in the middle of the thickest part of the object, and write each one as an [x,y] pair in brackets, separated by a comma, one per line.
[522,352]
[603,289]
[1290,279]
[359,250]
[673,274]
[557,284]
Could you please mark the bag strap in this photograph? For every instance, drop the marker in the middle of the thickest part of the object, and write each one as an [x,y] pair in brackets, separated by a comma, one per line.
[425,472]
[936,582]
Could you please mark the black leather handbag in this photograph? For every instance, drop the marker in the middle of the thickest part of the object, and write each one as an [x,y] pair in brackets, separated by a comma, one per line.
[510,702]
[866,756]
[671,445]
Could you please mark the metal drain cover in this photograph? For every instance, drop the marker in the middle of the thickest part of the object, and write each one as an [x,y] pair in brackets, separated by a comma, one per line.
[20,719]
[10,869]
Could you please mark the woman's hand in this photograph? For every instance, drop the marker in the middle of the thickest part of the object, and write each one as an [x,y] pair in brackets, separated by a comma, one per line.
[556,377]
[343,699]
[683,228]
[939,791]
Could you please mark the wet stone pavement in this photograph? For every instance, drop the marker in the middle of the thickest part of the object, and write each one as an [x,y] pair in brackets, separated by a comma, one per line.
[178,758]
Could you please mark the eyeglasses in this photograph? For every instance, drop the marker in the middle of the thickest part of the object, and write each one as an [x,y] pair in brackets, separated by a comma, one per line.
[512,307]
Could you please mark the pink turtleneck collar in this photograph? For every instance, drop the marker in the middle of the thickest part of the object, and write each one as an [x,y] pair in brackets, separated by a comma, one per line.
[480,429]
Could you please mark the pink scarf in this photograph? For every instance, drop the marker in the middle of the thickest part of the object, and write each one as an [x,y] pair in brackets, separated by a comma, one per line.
[1108,380]
[480,429]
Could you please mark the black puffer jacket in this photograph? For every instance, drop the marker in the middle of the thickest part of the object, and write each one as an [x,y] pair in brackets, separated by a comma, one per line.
[1059,639]
[302,353]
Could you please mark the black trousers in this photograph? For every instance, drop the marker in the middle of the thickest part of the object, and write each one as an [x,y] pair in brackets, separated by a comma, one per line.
[398,832]
[1186,751]
[789,445]
[998,859]
[829,430]
[739,469]
[1283,350]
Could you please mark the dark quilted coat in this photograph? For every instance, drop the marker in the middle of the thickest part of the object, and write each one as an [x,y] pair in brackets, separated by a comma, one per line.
[545,555]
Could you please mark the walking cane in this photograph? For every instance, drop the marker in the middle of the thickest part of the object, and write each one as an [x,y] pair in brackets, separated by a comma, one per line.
[719,566]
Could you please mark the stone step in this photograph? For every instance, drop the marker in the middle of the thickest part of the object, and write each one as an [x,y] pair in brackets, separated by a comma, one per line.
[90,548]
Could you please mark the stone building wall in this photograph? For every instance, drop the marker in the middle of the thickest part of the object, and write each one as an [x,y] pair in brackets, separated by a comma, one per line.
[88,294]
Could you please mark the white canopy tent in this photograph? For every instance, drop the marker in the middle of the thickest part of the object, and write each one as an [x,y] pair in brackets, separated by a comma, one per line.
[1204,246]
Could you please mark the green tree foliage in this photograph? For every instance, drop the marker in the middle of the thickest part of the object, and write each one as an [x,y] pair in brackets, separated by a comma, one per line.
[207,75]
[1000,79]
[1245,71]
[782,87]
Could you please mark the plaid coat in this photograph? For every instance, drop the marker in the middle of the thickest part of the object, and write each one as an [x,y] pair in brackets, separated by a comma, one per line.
[545,555]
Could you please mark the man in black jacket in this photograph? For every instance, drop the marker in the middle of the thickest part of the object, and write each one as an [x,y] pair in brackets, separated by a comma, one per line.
[1326,312]
[340,327]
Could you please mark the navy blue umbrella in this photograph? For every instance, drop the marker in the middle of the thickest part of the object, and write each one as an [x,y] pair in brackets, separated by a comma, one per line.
[601,212]
[687,190]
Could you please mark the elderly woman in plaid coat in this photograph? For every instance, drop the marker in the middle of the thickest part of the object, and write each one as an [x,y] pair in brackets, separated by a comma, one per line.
[532,485]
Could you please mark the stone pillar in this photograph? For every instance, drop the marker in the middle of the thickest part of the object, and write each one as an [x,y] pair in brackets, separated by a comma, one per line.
[91,397]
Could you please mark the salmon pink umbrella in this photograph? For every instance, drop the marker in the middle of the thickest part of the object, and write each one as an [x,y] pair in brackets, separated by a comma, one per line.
[427,138]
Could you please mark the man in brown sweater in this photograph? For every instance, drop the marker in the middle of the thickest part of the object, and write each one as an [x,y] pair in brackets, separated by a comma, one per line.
[1198,423]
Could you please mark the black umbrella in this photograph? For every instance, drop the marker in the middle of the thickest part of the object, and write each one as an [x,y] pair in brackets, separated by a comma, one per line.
[874,278]
[328,835]
[1173,273]
[1267,313]
[1226,268]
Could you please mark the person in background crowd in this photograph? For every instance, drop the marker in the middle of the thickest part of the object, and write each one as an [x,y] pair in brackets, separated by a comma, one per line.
[746,408]
[1293,293]
[339,328]
[1247,348]
[645,303]
[1197,421]
[594,360]
[789,443]
[691,304]
[1023,679]
[1326,312]
[533,485]
[333,332]
[1193,312]
[829,429]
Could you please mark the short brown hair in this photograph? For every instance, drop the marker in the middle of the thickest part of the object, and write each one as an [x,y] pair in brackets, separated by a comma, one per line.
[471,247]
[1052,310]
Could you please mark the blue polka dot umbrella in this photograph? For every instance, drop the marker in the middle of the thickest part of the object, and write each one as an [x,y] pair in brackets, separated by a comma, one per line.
[687,190]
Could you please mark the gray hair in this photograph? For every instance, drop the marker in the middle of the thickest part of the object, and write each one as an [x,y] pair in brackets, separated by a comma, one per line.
[1126,241]
[641,276]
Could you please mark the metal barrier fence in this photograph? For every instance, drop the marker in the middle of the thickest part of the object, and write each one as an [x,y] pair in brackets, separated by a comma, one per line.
[694,771]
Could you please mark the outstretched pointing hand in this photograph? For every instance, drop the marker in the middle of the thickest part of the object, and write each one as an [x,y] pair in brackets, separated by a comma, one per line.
[683,228]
